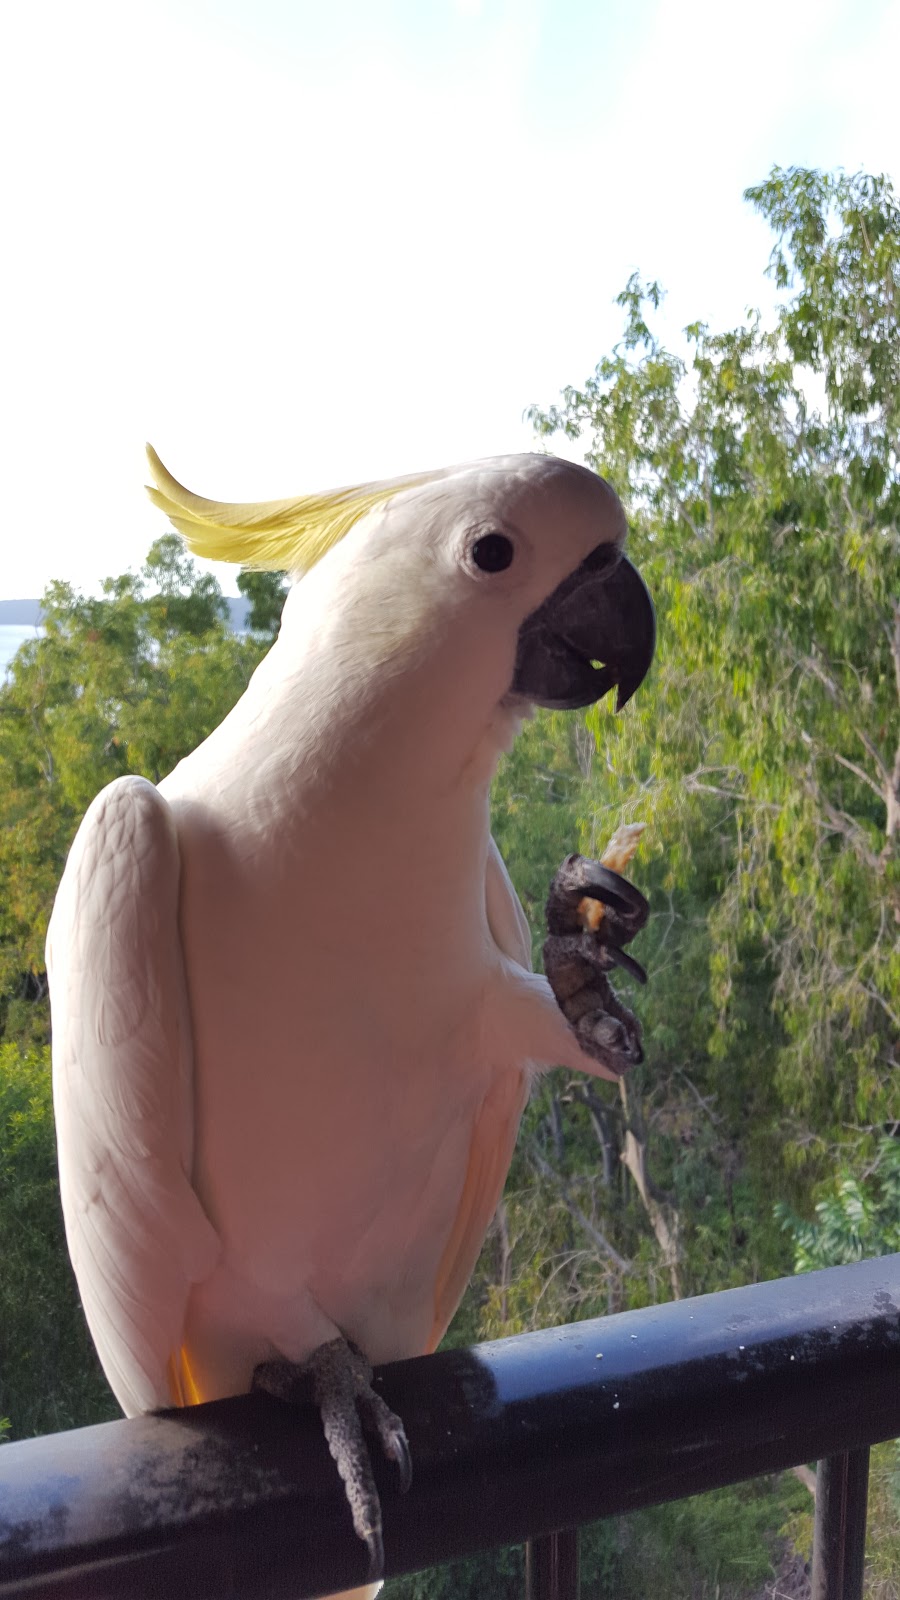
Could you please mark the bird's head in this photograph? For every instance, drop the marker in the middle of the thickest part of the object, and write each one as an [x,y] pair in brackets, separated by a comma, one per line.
[506,575]
[522,562]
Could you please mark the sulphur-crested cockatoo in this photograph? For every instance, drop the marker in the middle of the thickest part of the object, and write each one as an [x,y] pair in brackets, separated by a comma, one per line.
[294,1017]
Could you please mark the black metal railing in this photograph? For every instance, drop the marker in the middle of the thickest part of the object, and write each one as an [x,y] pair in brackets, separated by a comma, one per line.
[521,1440]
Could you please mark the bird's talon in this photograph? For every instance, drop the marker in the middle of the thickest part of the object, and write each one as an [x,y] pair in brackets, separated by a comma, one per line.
[378,1418]
[340,1377]
[614,891]
[582,947]
[577,883]
[620,958]
[375,1546]
[398,1450]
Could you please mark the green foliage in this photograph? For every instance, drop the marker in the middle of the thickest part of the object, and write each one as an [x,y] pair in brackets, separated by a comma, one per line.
[859,1218]
[50,1378]
[883,1532]
[725,1544]
[498,1573]
[266,592]
[127,682]
[185,601]
[765,750]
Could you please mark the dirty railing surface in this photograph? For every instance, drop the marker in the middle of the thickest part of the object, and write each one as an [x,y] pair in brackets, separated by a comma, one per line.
[521,1440]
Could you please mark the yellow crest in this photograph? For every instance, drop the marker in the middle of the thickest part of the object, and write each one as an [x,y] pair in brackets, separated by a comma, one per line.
[282,535]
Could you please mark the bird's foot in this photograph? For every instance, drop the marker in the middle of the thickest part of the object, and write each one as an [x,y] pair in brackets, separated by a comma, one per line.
[342,1389]
[591,913]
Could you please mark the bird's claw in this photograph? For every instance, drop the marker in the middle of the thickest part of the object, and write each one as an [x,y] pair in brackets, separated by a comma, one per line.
[578,956]
[580,879]
[375,1546]
[621,958]
[341,1381]
[396,1448]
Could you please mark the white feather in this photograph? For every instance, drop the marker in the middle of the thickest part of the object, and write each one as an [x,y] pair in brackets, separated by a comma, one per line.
[122,1082]
[290,988]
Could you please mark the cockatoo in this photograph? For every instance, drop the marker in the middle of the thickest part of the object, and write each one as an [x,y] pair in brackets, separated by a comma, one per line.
[294,1018]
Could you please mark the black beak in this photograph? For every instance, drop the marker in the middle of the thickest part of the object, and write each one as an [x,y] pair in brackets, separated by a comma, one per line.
[595,631]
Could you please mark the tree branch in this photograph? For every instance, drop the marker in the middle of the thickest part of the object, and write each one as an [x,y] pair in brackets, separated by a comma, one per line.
[894,637]
[858,772]
[598,1115]
[893,805]
[596,1237]
[847,826]
[703,1104]
[879,998]
[838,698]
[505,1259]
[807,1478]
[634,1156]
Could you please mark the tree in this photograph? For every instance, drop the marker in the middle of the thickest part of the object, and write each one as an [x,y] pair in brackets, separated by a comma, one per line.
[766,752]
[857,1219]
[50,1378]
[129,681]
[267,592]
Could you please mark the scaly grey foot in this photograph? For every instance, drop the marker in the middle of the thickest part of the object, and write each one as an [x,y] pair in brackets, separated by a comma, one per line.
[577,958]
[342,1390]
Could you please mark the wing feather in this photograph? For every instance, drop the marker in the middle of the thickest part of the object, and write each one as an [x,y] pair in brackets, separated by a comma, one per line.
[506,919]
[495,1130]
[122,1087]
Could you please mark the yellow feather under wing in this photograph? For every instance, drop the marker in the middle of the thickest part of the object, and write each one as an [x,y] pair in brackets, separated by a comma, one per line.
[281,535]
[182,1384]
[490,1153]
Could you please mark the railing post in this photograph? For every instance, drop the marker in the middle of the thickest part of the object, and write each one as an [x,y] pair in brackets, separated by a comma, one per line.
[551,1567]
[839,1541]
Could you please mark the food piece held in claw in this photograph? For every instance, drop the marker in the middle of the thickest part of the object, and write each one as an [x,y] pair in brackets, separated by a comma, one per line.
[616,856]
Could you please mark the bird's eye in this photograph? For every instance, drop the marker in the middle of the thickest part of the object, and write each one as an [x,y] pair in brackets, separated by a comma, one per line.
[493,552]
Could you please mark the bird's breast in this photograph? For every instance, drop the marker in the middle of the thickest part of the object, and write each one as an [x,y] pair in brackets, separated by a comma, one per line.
[337,1005]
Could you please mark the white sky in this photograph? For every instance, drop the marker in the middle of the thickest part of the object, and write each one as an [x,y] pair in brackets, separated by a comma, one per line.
[296,244]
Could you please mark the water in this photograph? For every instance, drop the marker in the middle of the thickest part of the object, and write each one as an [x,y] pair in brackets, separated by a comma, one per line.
[12,634]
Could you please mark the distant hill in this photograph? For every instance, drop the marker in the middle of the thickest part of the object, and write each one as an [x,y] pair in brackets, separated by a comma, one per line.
[21,613]
[27,613]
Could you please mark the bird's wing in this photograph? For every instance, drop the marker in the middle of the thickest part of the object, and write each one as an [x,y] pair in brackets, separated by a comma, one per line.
[122,1084]
[495,1130]
[506,919]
